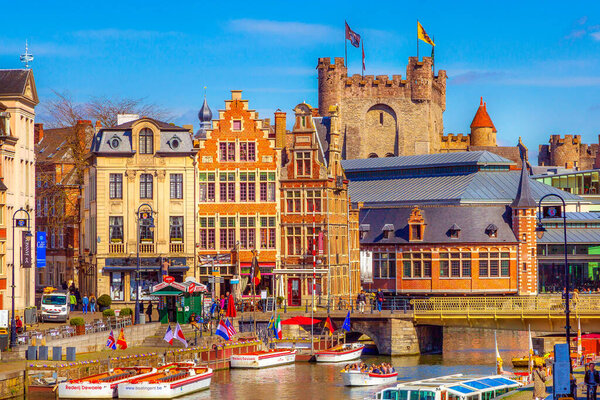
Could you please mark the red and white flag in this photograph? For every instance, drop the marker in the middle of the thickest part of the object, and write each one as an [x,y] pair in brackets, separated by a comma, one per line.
[352,36]
[179,335]
[169,336]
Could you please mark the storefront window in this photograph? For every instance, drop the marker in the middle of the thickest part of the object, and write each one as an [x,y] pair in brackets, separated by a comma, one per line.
[116,286]
[147,280]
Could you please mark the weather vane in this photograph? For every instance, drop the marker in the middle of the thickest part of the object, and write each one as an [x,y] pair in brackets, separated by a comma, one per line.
[26,57]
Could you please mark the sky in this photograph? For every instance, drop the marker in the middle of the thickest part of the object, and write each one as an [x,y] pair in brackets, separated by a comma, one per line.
[536,64]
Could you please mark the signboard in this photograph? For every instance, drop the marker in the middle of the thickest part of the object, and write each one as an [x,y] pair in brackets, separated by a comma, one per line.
[366,266]
[552,212]
[168,279]
[263,294]
[25,250]
[3,319]
[320,242]
[191,287]
[20,223]
[234,281]
[40,249]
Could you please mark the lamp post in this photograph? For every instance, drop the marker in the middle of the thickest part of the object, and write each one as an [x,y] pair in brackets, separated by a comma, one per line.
[149,222]
[21,223]
[540,233]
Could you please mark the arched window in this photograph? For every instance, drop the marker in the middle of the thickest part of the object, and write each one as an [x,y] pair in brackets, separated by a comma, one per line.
[373,155]
[390,155]
[146,141]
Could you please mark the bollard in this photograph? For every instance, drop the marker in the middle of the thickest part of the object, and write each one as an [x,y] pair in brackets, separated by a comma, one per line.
[306,307]
[43,353]
[405,301]
[31,353]
[328,305]
[71,353]
[285,307]
[56,353]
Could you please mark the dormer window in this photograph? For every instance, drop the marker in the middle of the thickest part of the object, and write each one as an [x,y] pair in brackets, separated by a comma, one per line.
[174,142]
[146,141]
[114,142]
[416,225]
[492,231]
[454,231]
[387,230]
[363,230]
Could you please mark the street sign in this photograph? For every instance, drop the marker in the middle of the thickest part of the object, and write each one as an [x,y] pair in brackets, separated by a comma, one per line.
[21,223]
[191,287]
[25,250]
[552,212]
[40,252]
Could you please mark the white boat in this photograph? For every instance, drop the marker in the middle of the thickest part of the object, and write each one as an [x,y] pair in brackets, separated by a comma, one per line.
[263,359]
[100,386]
[454,387]
[174,381]
[341,353]
[358,378]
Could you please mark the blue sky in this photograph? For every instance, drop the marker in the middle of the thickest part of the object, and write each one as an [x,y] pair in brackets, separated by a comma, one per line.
[537,64]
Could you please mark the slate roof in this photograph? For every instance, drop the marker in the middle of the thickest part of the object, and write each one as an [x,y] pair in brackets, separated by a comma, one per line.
[523,199]
[323,127]
[426,160]
[574,235]
[577,216]
[13,81]
[53,145]
[477,187]
[439,220]
[164,126]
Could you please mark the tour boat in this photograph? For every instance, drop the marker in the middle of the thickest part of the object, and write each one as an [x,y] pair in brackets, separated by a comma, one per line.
[340,353]
[358,378]
[523,362]
[263,359]
[451,387]
[100,386]
[172,381]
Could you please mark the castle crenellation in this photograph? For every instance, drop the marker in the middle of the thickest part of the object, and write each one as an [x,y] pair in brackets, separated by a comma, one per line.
[567,151]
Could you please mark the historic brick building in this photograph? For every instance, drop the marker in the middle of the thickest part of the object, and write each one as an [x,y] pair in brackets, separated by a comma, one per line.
[318,225]
[60,157]
[569,152]
[382,117]
[238,196]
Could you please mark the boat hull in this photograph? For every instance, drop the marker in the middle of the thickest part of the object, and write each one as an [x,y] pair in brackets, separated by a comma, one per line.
[87,390]
[262,360]
[146,390]
[339,356]
[367,379]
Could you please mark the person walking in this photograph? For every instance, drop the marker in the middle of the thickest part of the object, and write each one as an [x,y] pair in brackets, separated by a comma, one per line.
[72,301]
[149,311]
[84,302]
[92,304]
[362,301]
[539,383]
[591,380]
[379,299]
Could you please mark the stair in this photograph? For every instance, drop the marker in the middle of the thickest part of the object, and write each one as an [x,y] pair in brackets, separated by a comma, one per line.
[157,340]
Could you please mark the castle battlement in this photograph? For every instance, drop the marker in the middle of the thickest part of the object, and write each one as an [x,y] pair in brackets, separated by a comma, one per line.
[455,137]
[557,140]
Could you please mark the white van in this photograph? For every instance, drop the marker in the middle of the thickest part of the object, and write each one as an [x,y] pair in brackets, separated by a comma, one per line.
[55,306]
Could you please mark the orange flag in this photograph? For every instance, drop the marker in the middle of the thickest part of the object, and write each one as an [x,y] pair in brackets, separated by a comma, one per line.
[121,340]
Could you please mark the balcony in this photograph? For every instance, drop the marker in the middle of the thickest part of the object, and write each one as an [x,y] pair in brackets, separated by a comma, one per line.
[176,248]
[116,248]
[146,248]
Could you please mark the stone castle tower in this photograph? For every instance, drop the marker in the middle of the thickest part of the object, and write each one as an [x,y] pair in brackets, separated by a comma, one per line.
[382,117]
[568,152]
[483,134]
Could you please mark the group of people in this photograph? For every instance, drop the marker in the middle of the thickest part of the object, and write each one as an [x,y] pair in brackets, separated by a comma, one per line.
[381,369]
[361,300]
[87,303]
[591,380]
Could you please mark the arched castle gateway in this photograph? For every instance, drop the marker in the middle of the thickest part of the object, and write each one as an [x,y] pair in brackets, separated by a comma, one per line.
[382,116]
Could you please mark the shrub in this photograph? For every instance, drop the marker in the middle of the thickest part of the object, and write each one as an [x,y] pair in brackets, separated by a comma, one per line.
[125,312]
[108,313]
[104,301]
[77,322]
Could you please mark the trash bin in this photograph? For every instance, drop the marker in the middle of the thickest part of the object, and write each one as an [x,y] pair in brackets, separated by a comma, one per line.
[4,340]
[43,353]
[56,353]
[142,318]
[32,353]
[30,315]
[71,353]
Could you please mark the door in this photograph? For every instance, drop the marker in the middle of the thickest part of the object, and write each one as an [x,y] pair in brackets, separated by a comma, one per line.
[294,292]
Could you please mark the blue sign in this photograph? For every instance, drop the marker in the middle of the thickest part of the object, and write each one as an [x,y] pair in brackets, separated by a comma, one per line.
[41,243]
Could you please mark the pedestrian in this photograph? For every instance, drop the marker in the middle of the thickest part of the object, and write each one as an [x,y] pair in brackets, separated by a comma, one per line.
[591,380]
[19,324]
[92,304]
[72,301]
[379,299]
[539,383]
[575,298]
[141,307]
[362,301]
[149,311]
[84,302]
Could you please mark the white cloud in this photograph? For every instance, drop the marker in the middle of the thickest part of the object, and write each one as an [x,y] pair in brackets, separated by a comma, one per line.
[595,35]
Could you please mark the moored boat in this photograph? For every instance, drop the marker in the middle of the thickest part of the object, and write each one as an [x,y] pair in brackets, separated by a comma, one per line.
[453,387]
[100,386]
[358,378]
[340,353]
[263,359]
[172,381]
[523,362]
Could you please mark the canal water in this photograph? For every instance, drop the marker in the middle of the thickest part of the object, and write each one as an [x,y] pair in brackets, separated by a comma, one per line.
[468,351]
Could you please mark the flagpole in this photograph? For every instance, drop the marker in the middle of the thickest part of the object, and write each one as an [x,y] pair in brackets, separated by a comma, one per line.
[417,40]
[433,56]
[345,46]
[312,309]
[362,43]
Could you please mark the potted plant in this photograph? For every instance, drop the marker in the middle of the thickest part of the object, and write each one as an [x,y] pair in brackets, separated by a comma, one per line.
[104,302]
[126,312]
[108,313]
[79,325]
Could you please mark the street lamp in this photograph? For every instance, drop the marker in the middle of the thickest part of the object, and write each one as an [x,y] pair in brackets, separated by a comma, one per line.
[539,230]
[13,327]
[148,222]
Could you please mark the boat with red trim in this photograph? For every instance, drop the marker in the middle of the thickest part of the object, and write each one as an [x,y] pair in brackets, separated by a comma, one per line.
[100,386]
[263,359]
[172,381]
[358,378]
[340,353]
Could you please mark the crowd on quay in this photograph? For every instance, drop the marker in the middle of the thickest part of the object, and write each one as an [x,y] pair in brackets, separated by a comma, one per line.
[381,369]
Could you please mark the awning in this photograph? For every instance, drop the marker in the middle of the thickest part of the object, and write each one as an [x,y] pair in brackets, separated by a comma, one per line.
[111,268]
[260,264]
[300,320]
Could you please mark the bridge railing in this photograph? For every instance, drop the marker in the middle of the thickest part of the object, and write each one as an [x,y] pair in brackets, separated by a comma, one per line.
[543,304]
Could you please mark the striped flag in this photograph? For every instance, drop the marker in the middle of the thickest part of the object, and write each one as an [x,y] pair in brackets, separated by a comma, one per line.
[230,329]
[169,336]
[110,343]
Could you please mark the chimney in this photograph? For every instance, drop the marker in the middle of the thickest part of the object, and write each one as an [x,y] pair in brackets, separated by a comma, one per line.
[81,132]
[38,132]
[98,126]
[124,118]
[280,129]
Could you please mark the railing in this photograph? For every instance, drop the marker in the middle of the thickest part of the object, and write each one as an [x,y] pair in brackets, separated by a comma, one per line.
[543,304]
[176,247]
[146,248]
[116,248]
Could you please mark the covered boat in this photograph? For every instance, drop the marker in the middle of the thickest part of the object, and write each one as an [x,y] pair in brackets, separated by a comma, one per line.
[100,386]
[523,362]
[340,353]
[451,387]
[172,381]
[263,359]
[358,378]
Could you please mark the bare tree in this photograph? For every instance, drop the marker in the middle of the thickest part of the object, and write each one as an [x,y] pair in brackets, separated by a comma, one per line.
[62,111]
